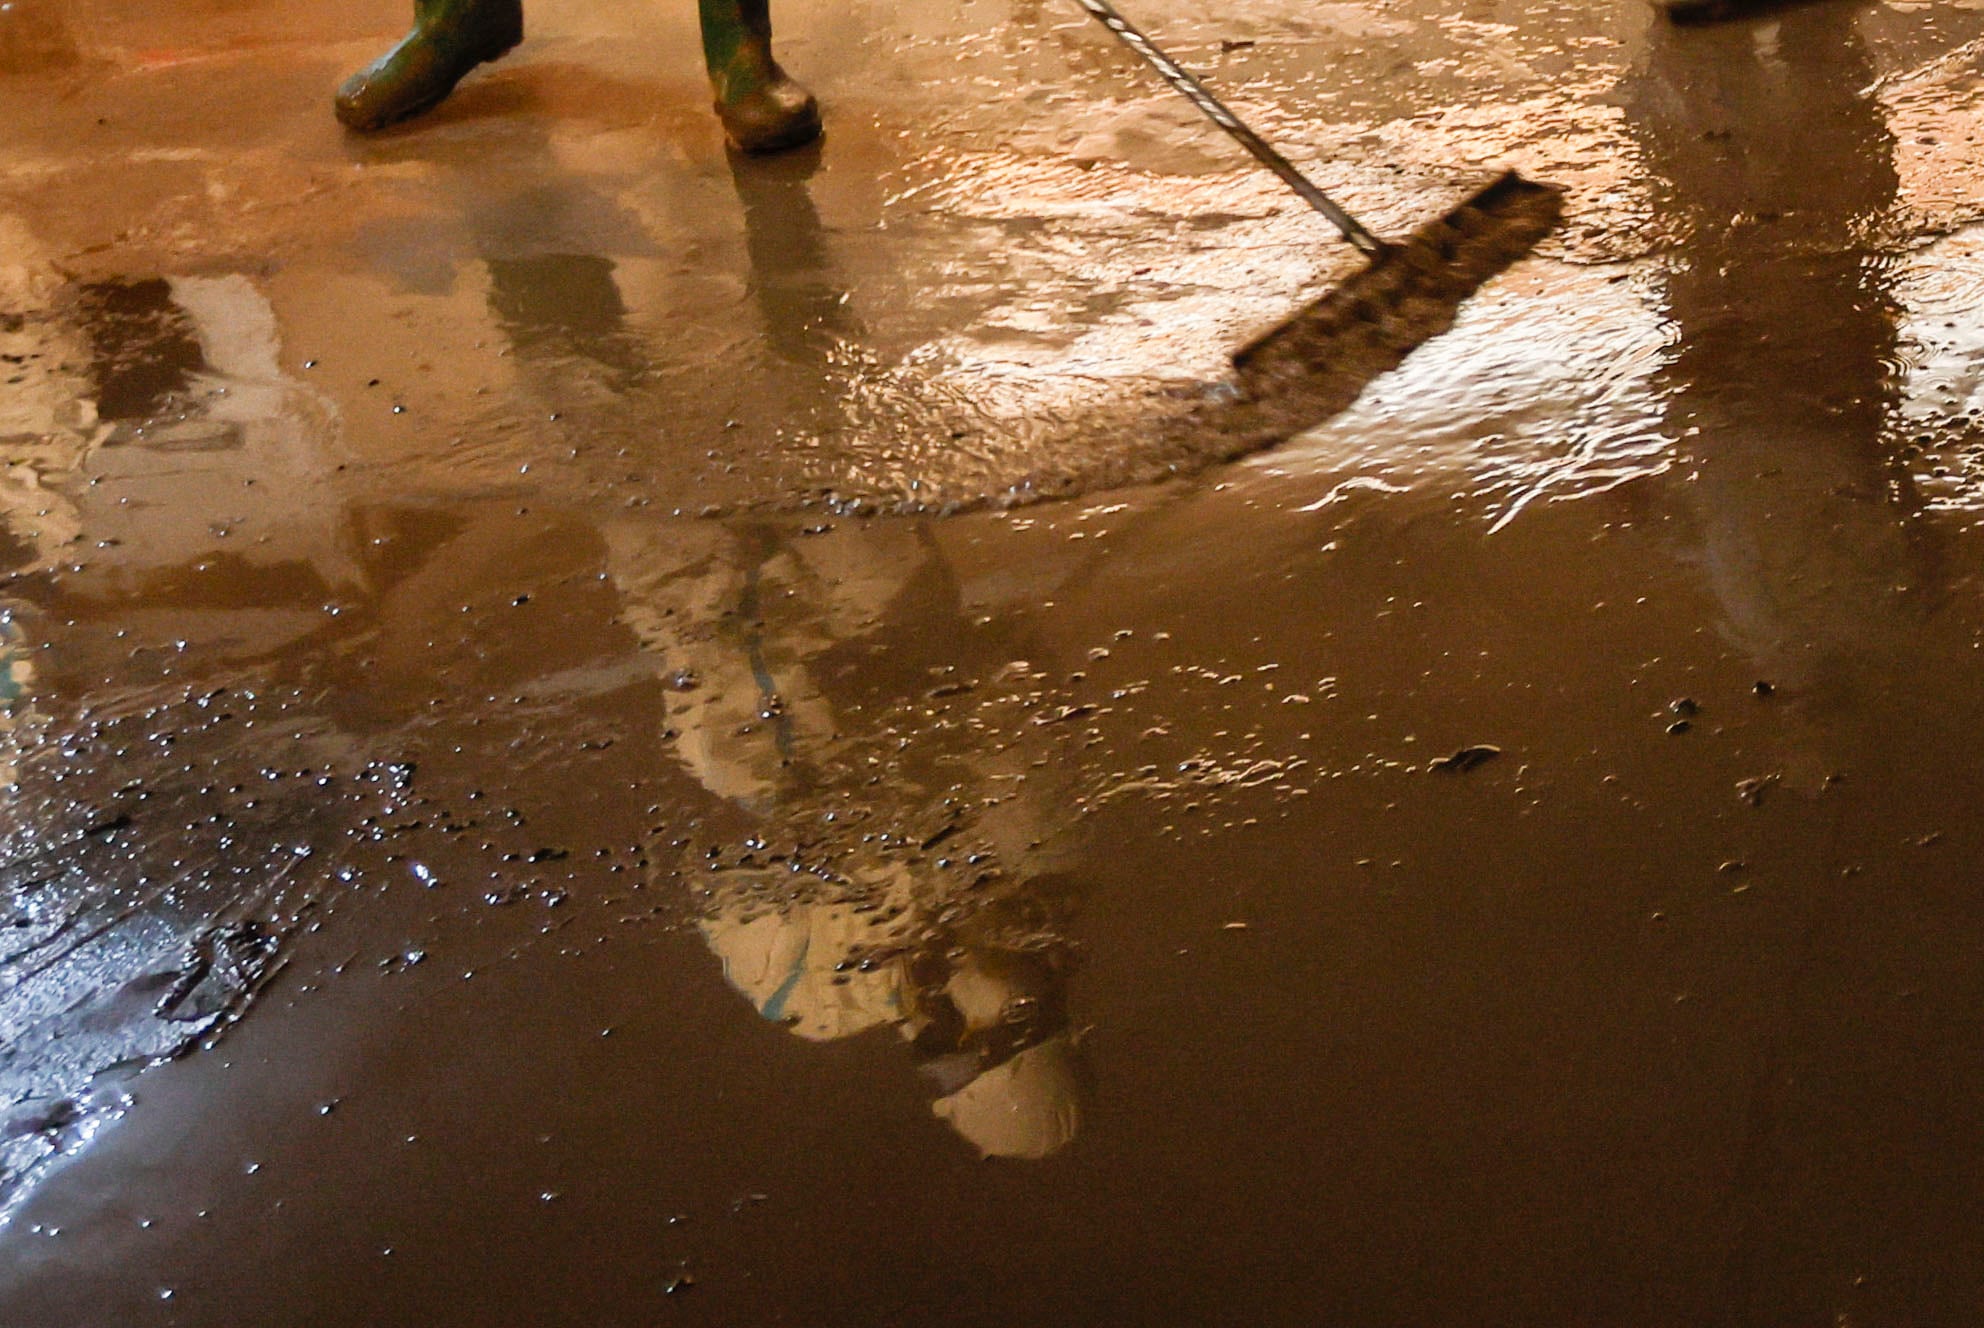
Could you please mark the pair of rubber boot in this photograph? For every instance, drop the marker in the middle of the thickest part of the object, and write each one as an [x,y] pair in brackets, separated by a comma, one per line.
[762,108]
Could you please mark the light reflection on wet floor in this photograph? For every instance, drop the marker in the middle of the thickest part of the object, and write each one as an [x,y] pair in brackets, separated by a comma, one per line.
[1125,946]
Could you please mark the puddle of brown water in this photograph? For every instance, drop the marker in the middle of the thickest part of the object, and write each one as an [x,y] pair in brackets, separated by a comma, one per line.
[548,907]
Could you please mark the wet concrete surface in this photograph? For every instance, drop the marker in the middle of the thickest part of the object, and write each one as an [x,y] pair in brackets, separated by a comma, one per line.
[496,831]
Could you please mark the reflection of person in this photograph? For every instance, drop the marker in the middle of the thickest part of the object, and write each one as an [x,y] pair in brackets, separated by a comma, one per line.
[762,108]
[1780,384]
[980,1001]
[959,949]
[1781,392]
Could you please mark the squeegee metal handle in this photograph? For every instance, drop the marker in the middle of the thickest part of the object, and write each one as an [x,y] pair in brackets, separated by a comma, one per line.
[1181,79]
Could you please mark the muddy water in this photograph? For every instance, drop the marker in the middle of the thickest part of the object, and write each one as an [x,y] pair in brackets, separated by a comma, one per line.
[489,837]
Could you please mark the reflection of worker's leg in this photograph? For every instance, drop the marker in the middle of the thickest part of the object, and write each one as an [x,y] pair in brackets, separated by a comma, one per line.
[1780,380]
[554,307]
[801,300]
[763,109]
[743,712]
[449,38]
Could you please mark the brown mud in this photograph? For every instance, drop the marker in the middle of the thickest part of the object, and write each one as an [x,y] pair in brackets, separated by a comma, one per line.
[495,830]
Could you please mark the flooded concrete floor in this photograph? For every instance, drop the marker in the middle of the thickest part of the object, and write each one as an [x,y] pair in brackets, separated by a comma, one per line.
[494,834]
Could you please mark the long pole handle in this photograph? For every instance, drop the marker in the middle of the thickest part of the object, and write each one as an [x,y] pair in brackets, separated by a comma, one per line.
[1181,79]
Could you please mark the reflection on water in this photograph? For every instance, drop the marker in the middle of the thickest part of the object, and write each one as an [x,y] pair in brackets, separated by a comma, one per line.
[975,982]
[146,352]
[1938,426]
[802,307]
[868,893]
[870,890]
[564,306]
[1489,1037]
[142,915]
[1787,369]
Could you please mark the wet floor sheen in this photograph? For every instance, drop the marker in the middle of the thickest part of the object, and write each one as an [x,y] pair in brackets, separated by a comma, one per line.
[497,828]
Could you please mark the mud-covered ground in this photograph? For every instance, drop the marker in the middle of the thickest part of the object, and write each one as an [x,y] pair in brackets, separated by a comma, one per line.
[498,829]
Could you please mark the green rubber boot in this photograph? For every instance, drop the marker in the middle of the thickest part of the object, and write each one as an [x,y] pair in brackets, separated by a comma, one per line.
[762,108]
[449,38]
